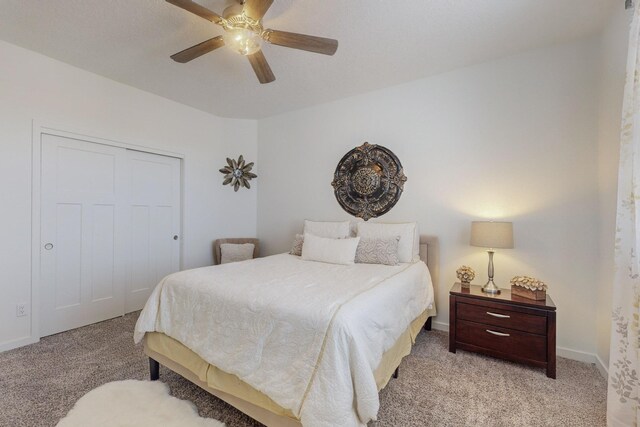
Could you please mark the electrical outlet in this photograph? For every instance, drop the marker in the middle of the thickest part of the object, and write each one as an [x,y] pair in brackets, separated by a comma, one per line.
[21,310]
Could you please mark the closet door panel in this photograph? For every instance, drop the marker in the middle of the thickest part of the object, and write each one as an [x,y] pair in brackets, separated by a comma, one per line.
[164,230]
[155,210]
[66,286]
[83,206]
[108,220]
[140,249]
[103,252]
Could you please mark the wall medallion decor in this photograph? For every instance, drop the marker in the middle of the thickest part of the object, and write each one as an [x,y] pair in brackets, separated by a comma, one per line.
[368,181]
[238,173]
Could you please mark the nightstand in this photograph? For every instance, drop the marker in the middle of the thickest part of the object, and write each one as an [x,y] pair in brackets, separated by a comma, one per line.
[504,326]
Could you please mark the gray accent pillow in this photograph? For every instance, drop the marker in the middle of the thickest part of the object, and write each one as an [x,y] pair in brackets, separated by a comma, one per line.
[296,248]
[378,250]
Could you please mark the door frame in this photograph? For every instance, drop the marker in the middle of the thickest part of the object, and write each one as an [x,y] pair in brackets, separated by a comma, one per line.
[47,128]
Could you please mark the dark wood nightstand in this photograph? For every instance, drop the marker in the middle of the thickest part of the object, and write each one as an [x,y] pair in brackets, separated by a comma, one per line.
[504,326]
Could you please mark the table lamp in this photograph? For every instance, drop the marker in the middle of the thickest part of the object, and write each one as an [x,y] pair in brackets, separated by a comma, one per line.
[492,235]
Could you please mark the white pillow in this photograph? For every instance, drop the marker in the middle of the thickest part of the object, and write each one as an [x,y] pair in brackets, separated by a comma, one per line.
[232,252]
[409,244]
[333,251]
[329,229]
[353,226]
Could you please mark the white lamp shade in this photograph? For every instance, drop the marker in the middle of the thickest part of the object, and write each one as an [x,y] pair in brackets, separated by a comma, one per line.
[490,234]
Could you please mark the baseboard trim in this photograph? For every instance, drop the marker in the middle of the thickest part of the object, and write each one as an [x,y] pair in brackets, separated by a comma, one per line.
[440,326]
[602,368]
[581,356]
[20,342]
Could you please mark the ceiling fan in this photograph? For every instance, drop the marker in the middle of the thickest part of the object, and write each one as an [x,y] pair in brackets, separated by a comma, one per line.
[244,33]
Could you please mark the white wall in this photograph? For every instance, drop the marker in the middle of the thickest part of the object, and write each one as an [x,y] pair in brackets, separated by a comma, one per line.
[513,139]
[530,138]
[614,44]
[33,86]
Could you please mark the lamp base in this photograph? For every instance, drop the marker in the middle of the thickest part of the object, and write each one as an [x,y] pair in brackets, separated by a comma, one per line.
[491,288]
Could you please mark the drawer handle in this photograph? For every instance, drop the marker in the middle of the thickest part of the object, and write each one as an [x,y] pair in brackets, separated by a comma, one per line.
[502,316]
[500,334]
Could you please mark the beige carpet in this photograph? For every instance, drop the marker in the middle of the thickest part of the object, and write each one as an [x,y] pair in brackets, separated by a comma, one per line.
[41,382]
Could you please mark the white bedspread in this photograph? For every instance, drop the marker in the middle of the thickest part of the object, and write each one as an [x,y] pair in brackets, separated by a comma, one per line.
[307,334]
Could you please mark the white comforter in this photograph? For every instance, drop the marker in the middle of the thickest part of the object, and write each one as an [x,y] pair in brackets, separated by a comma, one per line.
[307,334]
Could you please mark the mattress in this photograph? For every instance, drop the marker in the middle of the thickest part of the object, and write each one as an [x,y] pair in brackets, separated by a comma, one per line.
[312,334]
[158,344]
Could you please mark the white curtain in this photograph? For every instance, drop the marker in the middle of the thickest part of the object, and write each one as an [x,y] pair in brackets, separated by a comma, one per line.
[623,393]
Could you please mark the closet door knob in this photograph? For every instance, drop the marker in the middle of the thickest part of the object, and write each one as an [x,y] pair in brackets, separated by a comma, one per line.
[175,237]
[48,246]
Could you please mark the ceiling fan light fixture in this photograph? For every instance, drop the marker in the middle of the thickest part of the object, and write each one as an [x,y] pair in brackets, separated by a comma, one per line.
[242,40]
[244,33]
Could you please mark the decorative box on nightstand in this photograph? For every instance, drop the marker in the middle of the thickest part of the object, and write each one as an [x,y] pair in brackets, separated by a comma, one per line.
[504,326]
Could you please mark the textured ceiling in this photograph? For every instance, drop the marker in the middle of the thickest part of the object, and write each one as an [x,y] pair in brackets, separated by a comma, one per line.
[382,43]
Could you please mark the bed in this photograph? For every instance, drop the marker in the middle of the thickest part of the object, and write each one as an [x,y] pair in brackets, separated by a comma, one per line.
[286,341]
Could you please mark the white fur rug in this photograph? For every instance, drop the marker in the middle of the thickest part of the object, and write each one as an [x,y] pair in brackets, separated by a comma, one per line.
[134,403]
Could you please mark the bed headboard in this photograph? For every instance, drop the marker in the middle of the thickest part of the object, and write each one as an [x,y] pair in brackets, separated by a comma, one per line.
[424,251]
[429,251]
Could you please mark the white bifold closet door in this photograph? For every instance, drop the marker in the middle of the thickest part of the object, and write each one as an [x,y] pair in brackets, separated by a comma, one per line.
[154,210]
[108,221]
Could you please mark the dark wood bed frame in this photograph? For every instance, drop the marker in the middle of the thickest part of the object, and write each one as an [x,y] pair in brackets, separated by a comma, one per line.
[154,365]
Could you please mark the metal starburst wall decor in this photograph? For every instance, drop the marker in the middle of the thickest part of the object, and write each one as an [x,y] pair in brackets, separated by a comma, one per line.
[238,173]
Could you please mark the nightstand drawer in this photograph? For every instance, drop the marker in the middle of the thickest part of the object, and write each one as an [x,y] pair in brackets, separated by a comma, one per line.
[503,318]
[502,340]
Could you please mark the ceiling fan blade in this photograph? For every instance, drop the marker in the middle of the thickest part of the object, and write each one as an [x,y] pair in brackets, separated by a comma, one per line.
[302,42]
[201,11]
[255,9]
[198,50]
[261,67]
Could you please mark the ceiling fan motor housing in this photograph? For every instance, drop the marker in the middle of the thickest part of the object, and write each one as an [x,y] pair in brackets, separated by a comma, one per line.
[234,9]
